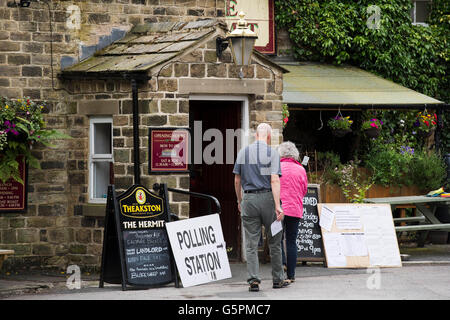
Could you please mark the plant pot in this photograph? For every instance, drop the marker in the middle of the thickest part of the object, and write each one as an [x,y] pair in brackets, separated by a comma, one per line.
[340,132]
[372,132]
[424,134]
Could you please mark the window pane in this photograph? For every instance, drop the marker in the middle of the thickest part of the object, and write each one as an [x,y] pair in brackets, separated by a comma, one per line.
[101,179]
[422,11]
[411,13]
[102,138]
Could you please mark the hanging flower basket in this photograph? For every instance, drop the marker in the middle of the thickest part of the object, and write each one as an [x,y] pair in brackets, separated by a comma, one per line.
[425,134]
[372,127]
[426,124]
[21,125]
[285,115]
[340,126]
[340,132]
[372,132]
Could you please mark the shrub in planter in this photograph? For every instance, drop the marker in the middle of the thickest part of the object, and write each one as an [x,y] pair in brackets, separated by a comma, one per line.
[428,171]
[21,126]
[389,165]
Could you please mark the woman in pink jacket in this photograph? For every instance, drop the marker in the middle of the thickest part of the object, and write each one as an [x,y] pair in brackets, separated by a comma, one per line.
[293,187]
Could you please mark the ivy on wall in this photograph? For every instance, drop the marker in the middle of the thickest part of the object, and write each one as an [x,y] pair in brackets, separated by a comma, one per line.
[377,36]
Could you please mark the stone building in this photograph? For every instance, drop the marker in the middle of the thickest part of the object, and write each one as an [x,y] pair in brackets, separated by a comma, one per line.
[47,54]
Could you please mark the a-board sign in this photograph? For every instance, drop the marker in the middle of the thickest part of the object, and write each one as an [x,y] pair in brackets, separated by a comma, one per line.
[13,194]
[309,237]
[169,150]
[199,249]
[359,235]
[136,248]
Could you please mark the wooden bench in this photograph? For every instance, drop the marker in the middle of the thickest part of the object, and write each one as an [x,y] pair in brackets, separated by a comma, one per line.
[4,255]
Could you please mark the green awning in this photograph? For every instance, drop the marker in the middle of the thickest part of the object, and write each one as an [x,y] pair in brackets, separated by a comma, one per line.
[324,84]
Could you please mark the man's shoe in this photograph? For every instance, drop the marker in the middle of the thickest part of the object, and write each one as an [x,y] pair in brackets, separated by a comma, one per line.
[254,287]
[281,284]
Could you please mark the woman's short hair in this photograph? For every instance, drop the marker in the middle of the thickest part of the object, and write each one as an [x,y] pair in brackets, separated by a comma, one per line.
[288,150]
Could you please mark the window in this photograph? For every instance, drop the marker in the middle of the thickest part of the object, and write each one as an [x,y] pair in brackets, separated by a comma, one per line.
[100,158]
[420,11]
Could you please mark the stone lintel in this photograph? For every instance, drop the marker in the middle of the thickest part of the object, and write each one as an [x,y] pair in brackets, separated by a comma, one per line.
[221,86]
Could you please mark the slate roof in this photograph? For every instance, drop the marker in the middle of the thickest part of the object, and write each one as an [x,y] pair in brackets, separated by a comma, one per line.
[144,47]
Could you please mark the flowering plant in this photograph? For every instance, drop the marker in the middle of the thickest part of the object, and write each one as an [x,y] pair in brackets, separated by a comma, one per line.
[340,123]
[285,115]
[372,123]
[21,125]
[425,122]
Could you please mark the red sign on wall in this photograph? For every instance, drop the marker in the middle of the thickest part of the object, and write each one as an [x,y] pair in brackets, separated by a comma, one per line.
[13,194]
[168,150]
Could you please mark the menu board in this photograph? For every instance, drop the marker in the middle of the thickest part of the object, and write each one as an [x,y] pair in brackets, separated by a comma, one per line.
[309,237]
[168,150]
[147,256]
[136,247]
[13,194]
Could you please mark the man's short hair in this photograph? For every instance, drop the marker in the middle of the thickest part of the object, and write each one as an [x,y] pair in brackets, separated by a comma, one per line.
[264,130]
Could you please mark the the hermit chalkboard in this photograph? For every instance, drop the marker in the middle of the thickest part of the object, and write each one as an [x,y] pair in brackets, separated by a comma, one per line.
[136,248]
[147,256]
[309,238]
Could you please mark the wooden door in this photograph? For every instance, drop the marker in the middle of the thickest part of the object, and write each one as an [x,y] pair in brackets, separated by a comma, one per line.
[217,179]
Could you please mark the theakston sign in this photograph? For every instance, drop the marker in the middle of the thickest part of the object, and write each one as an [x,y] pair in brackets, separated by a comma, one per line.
[199,249]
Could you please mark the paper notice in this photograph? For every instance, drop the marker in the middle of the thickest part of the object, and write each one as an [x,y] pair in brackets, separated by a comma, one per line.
[353,244]
[348,218]
[276,227]
[326,218]
[334,254]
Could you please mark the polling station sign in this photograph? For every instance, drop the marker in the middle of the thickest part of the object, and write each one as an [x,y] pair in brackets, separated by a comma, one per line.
[199,249]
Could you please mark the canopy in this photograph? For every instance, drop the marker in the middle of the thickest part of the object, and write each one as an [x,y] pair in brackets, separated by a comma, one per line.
[324,84]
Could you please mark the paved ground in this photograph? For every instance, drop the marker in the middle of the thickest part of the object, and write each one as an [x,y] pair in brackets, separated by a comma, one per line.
[425,276]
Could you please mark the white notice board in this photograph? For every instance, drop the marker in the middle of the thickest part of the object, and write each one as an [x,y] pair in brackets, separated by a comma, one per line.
[359,235]
[199,249]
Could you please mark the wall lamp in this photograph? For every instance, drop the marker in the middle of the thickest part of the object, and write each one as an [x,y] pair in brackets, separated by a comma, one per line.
[21,4]
[241,41]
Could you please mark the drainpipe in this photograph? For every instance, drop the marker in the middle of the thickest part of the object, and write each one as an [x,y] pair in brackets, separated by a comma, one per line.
[137,176]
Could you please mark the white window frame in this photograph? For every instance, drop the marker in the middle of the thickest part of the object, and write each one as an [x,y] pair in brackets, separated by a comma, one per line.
[97,157]
[414,13]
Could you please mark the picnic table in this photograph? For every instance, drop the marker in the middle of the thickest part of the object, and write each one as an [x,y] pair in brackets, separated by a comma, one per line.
[426,213]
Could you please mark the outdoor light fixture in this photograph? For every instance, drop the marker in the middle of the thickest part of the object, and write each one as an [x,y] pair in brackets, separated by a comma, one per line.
[24,3]
[21,4]
[241,41]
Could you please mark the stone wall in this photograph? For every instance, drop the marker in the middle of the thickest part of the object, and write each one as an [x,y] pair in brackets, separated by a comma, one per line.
[60,227]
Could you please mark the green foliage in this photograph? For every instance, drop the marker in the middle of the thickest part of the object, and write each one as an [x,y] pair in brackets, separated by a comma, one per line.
[328,162]
[21,126]
[428,171]
[393,165]
[389,165]
[353,182]
[335,31]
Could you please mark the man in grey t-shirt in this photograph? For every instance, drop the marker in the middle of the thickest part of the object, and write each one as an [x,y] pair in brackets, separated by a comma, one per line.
[257,185]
